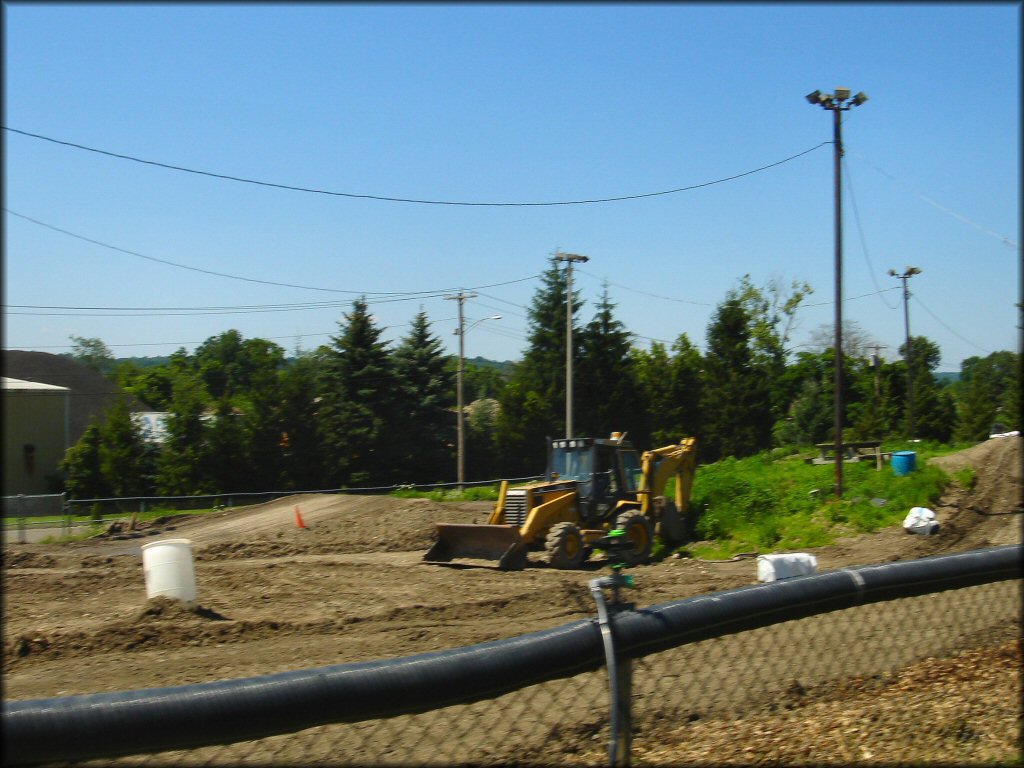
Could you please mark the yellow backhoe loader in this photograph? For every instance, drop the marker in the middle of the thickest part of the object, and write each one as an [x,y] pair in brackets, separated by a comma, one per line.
[593,485]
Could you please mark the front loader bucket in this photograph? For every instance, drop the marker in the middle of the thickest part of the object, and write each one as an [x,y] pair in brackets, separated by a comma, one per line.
[480,542]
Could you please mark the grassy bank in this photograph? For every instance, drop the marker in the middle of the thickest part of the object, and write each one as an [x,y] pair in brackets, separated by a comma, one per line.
[770,502]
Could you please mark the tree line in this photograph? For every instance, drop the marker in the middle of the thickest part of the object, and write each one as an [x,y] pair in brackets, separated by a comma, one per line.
[363,412]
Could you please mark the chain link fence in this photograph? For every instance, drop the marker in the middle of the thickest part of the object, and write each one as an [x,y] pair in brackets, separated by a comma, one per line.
[698,669]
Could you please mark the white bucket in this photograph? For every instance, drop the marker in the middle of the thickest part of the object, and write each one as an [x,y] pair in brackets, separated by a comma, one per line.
[774,567]
[169,571]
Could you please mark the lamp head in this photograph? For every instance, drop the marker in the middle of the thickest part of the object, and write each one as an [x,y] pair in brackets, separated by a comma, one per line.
[813,98]
[892,273]
[842,93]
[860,98]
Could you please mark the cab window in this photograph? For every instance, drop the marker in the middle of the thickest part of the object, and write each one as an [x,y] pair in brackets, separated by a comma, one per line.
[630,470]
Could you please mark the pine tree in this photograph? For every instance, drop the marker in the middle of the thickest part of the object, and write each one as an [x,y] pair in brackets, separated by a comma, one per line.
[181,466]
[425,395]
[82,466]
[533,402]
[736,402]
[122,454]
[607,397]
[299,441]
[360,435]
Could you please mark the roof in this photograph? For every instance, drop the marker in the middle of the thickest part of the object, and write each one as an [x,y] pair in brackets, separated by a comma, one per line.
[18,385]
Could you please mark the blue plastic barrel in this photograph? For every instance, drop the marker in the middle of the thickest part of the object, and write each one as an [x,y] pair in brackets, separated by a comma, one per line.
[903,462]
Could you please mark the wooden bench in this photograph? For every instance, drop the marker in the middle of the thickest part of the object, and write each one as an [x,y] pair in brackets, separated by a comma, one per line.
[852,451]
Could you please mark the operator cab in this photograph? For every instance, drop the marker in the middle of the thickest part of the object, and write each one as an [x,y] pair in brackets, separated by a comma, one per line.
[606,472]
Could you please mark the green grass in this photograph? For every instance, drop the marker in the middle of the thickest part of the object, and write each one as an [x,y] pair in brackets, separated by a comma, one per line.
[475,493]
[766,503]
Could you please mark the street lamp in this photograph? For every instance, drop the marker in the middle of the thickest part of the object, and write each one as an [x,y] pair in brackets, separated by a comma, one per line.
[461,332]
[908,273]
[837,103]
[569,258]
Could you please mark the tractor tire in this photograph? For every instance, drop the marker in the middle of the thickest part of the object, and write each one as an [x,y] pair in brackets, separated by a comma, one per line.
[639,531]
[564,547]
[672,526]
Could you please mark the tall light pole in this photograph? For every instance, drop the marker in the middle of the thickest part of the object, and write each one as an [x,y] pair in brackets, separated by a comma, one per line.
[908,273]
[569,258]
[460,372]
[838,103]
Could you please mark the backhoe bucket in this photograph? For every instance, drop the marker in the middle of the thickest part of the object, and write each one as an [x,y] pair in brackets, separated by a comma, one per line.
[480,542]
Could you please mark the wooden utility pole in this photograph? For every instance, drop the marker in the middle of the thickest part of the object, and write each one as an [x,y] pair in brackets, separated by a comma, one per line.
[460,417]
[569,258]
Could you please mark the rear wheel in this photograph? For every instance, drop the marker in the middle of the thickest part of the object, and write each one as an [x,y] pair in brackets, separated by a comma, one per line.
[564,546]
[672,526]
[639,532]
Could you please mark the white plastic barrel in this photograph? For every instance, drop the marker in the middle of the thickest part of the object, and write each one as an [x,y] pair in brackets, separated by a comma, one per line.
[775,567]
[169,571]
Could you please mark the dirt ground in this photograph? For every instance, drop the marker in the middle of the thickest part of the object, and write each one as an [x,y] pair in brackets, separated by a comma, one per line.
[350,587]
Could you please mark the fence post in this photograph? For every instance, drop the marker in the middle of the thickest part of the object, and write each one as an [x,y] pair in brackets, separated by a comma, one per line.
[21,518]
[620,667]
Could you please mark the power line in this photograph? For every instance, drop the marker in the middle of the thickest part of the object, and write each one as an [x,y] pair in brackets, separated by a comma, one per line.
[645,293]
[943,324]
[383,198]
[863,241]
[1002,238]
[387,294]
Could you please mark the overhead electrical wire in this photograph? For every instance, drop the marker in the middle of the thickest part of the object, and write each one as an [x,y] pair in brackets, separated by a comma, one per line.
[389,199]
[943,324]
[1002,238]
[387,295]
[863,241]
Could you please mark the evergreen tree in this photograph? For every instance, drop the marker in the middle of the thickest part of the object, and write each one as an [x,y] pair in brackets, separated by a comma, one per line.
[736,401]
[299,442]
[358,429]
[82,466]
[533,402]
[228,460]
[654,377]
[425,393]
[607,398]
[687,386]
[122,453]
[182,467]
[934,411]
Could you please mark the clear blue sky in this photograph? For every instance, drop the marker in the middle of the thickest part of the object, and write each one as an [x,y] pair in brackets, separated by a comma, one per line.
[517,103]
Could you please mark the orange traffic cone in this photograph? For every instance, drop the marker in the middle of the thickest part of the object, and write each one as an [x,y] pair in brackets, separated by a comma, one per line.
[298,518]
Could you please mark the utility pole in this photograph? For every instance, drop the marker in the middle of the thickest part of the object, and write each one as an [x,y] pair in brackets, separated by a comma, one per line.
[569,258]
[908,273]
[460,418]
[837,104]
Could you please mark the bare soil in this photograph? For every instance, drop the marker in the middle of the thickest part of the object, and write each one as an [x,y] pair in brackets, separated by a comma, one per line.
[350,586]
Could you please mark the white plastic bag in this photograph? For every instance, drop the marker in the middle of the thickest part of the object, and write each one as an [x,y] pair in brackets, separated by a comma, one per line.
[775,567]
[921,520]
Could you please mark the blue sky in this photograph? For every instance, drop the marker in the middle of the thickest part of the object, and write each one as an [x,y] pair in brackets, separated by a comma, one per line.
[514,103]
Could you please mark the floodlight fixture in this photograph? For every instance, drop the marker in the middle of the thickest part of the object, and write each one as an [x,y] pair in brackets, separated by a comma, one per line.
[842,94]
[860,98]
[814,98]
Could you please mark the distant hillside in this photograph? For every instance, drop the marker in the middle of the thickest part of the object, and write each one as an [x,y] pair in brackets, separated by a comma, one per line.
[505,367]
[143,362]
[91,392]
[947,377]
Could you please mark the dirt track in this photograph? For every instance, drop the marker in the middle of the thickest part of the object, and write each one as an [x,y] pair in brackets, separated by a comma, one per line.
[351,587]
